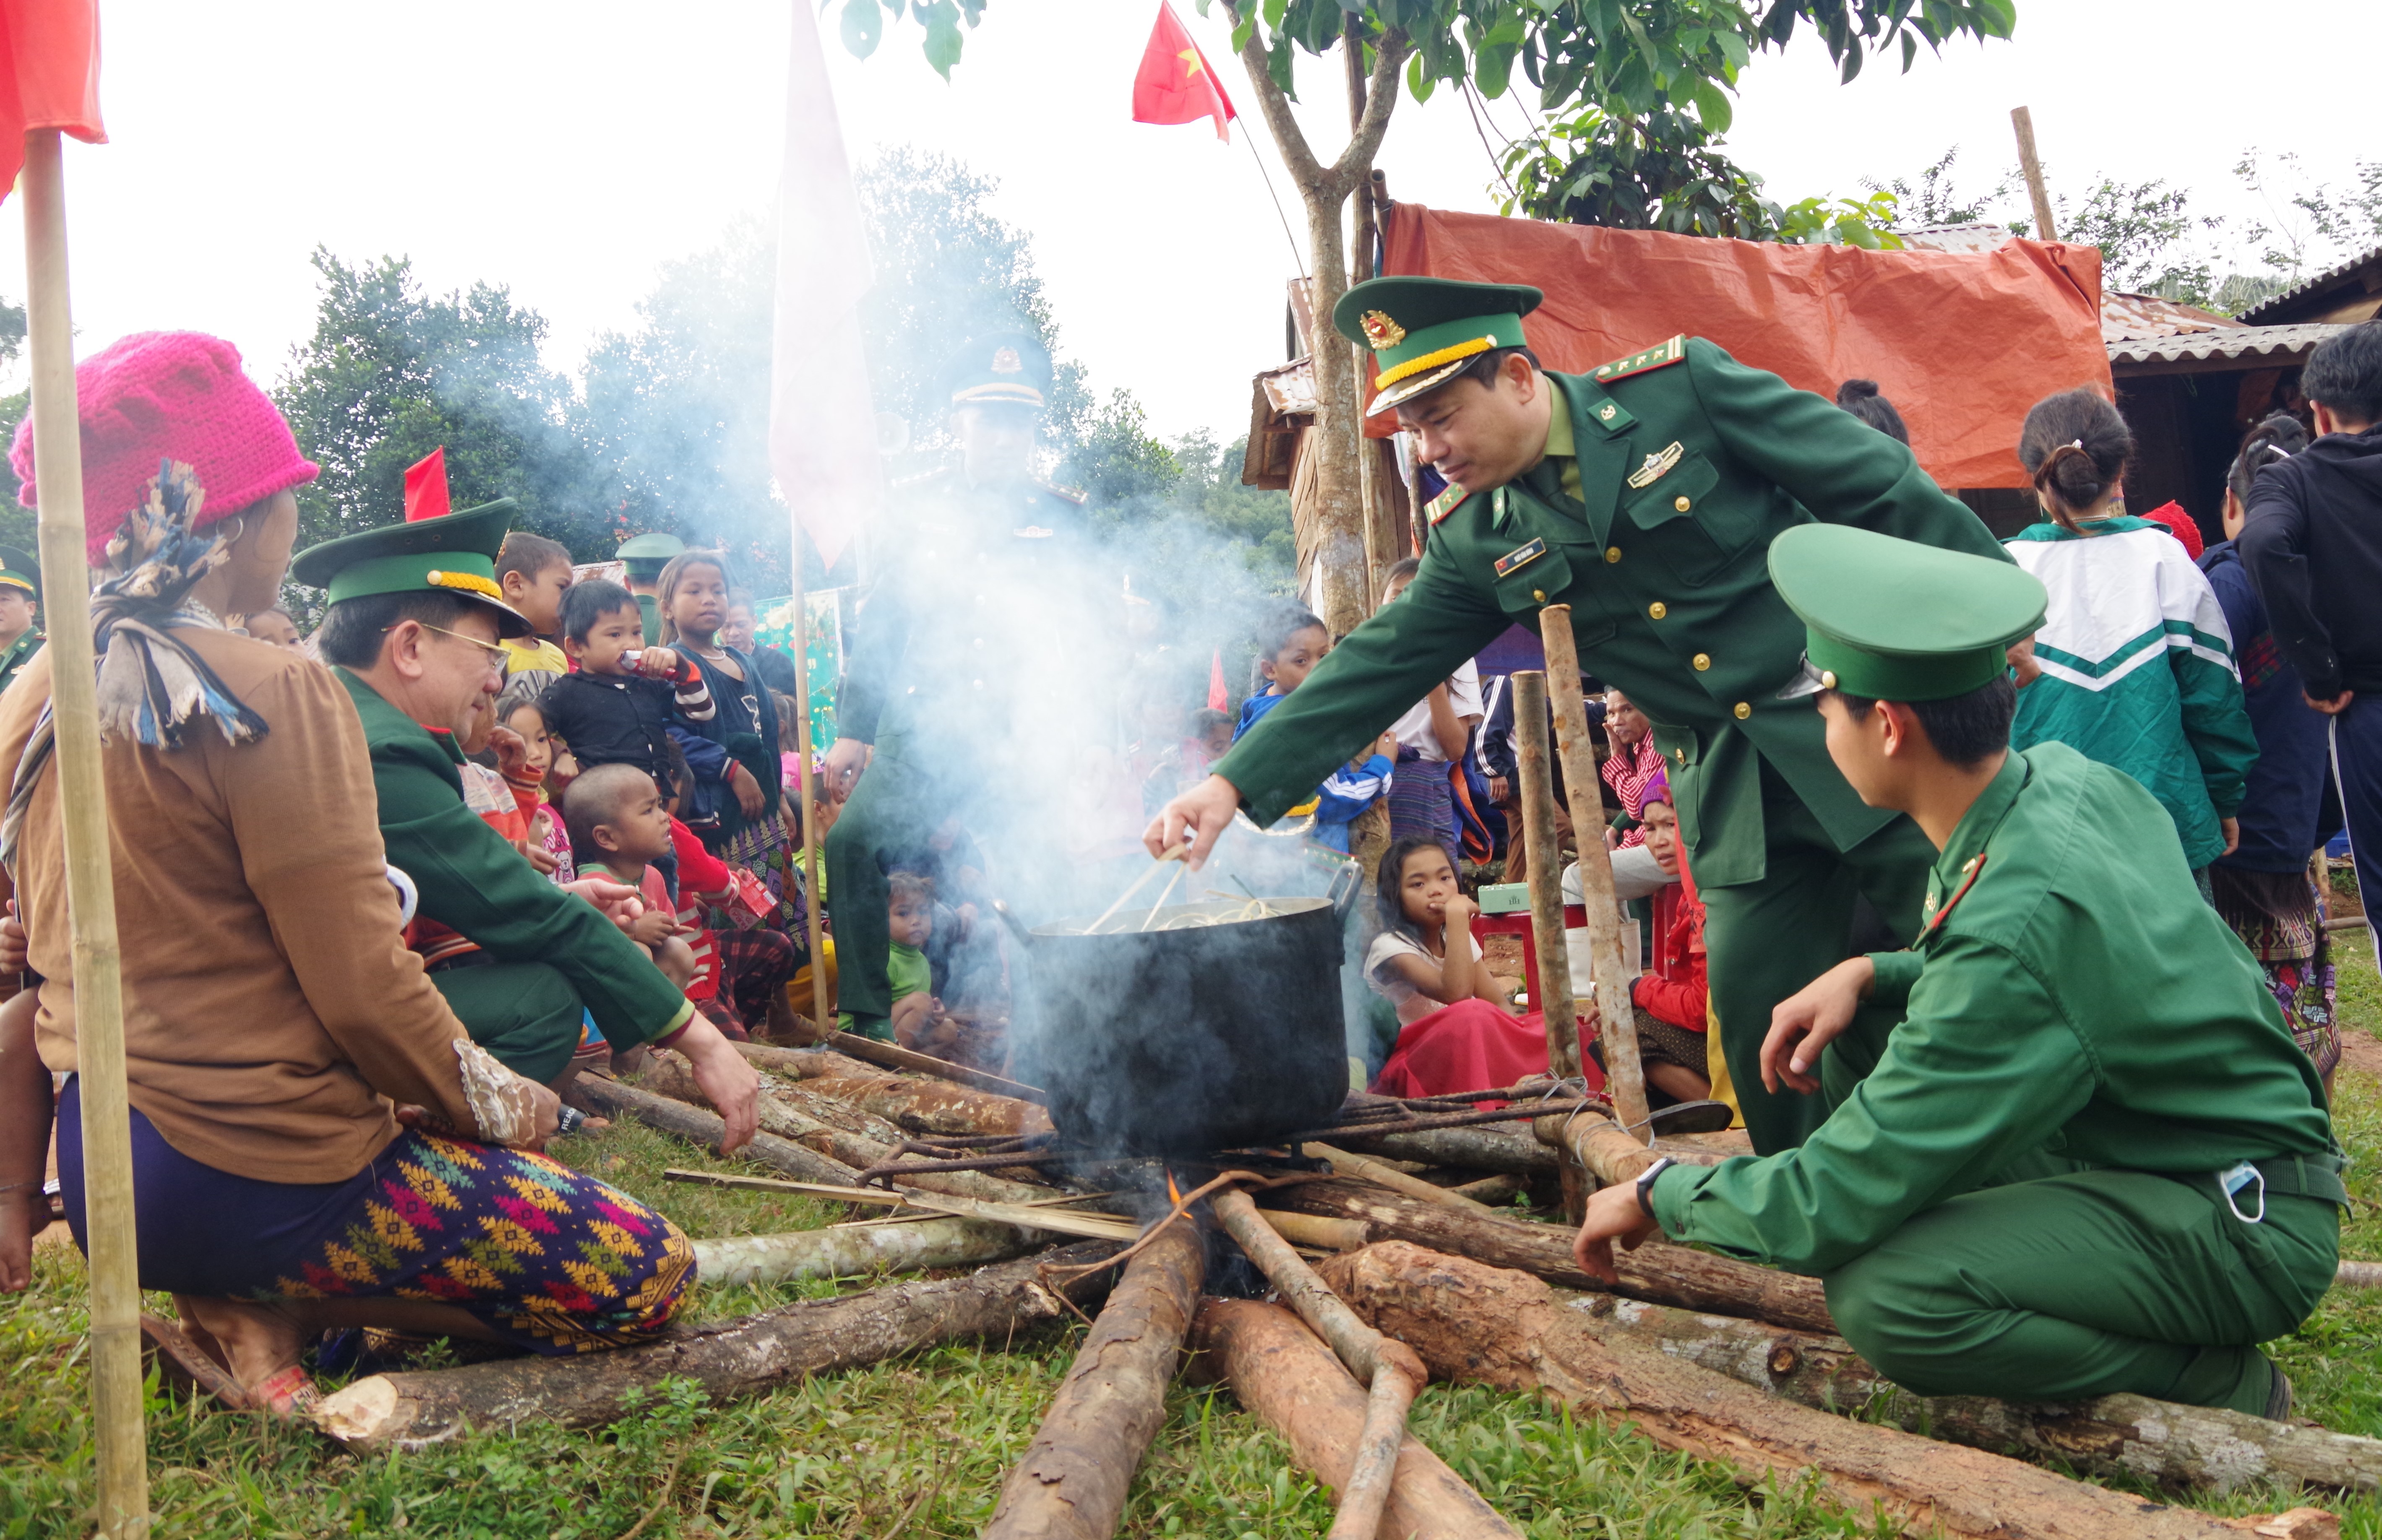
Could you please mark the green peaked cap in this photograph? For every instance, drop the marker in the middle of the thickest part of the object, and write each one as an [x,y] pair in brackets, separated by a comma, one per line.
[647,555]
[20,569]
[1000,369]
[1423,330]
[1896,620]
[455,553]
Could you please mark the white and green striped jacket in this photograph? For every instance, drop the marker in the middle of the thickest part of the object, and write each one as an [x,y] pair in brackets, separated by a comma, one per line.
[2138,671]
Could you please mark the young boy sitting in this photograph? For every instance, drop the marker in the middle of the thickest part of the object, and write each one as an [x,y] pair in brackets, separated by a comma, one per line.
[618,707]
[619,826]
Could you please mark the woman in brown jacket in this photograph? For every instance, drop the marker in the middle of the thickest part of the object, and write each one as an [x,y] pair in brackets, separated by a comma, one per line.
[316,1142]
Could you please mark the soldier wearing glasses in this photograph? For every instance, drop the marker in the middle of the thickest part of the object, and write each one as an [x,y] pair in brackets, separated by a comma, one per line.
[411,630]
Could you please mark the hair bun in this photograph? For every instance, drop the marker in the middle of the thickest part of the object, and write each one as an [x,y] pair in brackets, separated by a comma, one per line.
[1856,390]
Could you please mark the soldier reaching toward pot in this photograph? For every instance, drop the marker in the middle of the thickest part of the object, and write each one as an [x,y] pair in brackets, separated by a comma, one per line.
[1645,495]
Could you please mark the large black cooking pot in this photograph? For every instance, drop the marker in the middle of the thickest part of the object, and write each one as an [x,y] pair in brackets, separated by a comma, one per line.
[1189,1041]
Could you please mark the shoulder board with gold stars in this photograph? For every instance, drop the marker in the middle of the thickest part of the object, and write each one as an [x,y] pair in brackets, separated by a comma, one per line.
[1445,503]
[1638,363]
[1069,492]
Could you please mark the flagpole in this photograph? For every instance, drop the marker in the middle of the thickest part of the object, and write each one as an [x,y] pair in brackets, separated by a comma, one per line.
[116,1379]
[820,1011]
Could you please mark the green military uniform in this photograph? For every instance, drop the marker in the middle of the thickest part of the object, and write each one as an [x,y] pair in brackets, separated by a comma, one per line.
[19,570]
[1666,476]
[2026,1196]
[928,677]
[645,555]
[545,956]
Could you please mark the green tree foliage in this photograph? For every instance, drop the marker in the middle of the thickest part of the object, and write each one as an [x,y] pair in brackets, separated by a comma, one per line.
[392,372]
[2148,237]
[1935,199]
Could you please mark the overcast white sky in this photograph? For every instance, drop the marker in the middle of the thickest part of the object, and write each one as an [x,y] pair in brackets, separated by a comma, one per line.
[569,150]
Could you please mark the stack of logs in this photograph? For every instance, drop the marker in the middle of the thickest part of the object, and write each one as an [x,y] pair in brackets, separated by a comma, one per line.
[1719,1358]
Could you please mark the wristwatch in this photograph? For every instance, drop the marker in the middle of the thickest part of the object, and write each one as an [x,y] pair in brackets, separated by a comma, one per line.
[1645,1183]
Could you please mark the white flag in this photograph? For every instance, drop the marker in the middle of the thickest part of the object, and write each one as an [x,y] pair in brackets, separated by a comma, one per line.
[822,425]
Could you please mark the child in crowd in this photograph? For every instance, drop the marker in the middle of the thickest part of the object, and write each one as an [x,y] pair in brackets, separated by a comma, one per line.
[1455,1029]
[535,573]
[619,826]
[1184,764]
[1636,764]
[274,625]
[745,968]
[1292,643]
[733,749]
[2122,589]
[1431,738]
[910,920]
[1671,1001]
[530,772]
[621,705]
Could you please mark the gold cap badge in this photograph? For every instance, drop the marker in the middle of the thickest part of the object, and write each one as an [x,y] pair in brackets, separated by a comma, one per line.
[1381,330]
[1006,361]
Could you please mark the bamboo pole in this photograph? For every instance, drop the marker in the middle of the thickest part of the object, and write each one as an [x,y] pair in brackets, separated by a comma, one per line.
[2023,121]
[1617,1019]
[804,779]
[91,887]
[1551,991]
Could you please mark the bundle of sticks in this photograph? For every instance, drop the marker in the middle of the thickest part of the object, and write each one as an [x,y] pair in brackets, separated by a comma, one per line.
[1382,1277]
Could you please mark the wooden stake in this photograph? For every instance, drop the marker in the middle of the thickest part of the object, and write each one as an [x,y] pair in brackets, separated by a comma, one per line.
[90,886]
[804,779]
[1551,991]
[1616,1018]
[2023,121]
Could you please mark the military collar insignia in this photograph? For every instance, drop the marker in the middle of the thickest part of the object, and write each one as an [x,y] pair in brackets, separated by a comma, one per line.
[1034,532]
[1380,330]
[1447,501]
[1658,465]
[1520,556]
[1655,357]
[1934,915]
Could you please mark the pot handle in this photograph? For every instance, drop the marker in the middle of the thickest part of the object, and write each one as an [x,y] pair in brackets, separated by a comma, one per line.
[1343,891]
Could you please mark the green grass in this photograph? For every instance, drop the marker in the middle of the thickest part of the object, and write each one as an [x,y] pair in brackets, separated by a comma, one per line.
[918,1447]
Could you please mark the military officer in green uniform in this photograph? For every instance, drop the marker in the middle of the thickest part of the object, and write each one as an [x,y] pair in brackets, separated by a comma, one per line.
[411,630]
[1644,495]
[20,602]
[643,556]
[2089,1158]
[933,675]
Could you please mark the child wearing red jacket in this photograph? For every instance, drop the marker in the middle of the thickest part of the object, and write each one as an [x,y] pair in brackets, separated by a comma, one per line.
[740,974]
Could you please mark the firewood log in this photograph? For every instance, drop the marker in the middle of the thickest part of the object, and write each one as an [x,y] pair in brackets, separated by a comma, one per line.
[701,1127]
[861,1251]
[2110,1435]
[1284,1375]
[738,1358]
[802,1063]
[1505,1147]
[886,1056]
[1657,1271]
[1504,1328]
[1071,1483]
[933,1107]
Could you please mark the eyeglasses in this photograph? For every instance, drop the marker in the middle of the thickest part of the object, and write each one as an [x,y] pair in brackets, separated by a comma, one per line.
[496,654]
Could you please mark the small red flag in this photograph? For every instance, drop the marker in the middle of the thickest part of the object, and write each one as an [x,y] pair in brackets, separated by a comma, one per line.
[1218,696]
[1174,84]
[49,76]
[425,487]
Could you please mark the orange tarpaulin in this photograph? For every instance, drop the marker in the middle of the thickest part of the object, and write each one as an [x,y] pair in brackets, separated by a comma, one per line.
[1962,342]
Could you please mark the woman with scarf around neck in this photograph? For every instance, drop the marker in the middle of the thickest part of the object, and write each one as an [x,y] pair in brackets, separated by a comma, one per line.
[316,1143]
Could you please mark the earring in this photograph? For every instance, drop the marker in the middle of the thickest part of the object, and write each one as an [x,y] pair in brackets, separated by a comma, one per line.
[239,522]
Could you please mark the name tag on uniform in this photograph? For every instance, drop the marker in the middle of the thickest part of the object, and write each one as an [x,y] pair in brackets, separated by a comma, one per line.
[1520,556]
[1657,465]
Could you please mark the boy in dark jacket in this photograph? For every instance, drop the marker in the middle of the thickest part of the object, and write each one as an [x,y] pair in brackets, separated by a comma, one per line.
[619,706]
[2313,544]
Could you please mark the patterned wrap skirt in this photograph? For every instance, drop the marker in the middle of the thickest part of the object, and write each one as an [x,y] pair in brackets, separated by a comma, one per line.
[2278,916]
[551,1261]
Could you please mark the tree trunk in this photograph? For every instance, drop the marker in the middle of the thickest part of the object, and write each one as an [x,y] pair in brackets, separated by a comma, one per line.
[1501,1328]
[860,1251]
[933,1107]
[2110,1435]
[1072,1483]
[1281,1371]
[833,1128]
[701,1127]
[1656,1271]
[740,1358]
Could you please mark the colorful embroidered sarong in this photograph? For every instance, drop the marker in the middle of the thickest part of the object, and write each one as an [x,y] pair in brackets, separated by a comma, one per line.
[552,1261]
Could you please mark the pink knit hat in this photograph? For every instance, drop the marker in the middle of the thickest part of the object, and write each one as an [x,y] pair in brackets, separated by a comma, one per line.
[156,395]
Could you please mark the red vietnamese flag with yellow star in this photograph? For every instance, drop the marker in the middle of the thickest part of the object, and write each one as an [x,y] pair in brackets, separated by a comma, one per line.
[1174,84]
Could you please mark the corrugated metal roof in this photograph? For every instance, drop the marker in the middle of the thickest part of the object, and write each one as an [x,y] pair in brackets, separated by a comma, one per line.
[1289,388]
[2141,317]
[2249,345]
[1983,236]
[2302,290]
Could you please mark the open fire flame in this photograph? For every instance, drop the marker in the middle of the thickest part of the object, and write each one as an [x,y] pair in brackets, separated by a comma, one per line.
[1174,1193]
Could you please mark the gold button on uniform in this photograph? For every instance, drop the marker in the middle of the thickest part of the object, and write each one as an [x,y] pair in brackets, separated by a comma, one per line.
[1680,503]
[1743,711]
[1613,553]
[1658,609]
[1703,661]
[1540,594]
